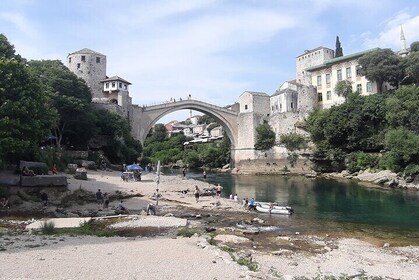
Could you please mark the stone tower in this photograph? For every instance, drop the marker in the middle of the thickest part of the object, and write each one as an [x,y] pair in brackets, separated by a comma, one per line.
[309,59]
[91,67]
[339,50]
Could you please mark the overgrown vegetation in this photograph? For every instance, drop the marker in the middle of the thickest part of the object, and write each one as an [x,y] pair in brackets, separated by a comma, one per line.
[293,142]
[265,137]
[45,104]
[189,232]
[85,228]
[159,147]
[376,131]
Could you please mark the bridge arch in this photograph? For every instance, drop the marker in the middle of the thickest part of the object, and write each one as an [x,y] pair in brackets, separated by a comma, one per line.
[144,118]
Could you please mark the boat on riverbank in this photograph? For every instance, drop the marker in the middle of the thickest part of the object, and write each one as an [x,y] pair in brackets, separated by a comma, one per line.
[275,209]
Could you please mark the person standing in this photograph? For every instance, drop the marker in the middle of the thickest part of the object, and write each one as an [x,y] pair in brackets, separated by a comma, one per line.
[44,199]
[105,200]
[236,198]
[196,193]
[218,190]
[99,199]
[184,172]
[204,174]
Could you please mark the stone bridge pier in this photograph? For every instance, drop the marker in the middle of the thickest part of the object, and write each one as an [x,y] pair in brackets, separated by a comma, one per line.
[144,118]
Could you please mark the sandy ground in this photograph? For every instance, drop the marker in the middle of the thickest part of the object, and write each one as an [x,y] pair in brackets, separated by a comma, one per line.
[40,257]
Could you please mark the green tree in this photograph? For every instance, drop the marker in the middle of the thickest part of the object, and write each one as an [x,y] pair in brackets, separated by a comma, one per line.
[159,133]
[414,47]
[343,88]
[412,67]
[293,142]
[26,114]
[403,149]
[71,98]
[265,137]
[205,119]
[382,65]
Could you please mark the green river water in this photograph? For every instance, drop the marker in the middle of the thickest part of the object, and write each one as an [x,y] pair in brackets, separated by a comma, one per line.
[330,206]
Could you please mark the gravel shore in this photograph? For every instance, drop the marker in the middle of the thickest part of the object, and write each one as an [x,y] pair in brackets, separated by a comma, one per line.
[27,256]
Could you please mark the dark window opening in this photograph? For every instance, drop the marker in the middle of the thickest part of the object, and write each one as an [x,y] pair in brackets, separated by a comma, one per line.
[97,59]
[83,58]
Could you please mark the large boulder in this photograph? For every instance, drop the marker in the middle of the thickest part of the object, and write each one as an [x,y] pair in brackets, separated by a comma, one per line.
[43,181]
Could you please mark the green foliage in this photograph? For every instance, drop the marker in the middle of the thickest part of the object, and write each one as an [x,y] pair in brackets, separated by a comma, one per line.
[403,108]
[26,114]
[293,141]
[71,98]
[251,265]
[48,228]
[265,137]
[7,50]
[402,147]
[382,65]
[158,133]
[88,228]
[189,232]
[412,169]
[414,47]
[412,67]
[205,119]
[343,88]
[360,161]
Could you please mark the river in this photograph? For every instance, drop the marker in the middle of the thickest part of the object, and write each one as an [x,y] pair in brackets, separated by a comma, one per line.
[325,205]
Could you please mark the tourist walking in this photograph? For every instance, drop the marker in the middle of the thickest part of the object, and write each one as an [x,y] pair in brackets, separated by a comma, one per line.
[184,172]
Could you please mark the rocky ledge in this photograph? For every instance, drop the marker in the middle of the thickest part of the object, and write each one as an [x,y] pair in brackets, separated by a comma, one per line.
[384,178]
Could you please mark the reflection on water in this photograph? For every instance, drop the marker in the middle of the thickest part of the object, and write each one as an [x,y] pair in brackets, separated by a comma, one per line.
[323,202]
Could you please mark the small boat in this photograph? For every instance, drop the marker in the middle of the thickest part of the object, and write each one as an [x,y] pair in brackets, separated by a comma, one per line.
[276,209]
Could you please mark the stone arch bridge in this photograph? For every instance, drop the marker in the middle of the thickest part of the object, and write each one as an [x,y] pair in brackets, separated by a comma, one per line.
[145,117]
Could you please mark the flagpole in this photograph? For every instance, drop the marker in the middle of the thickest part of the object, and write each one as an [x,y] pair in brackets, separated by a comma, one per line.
[158,181]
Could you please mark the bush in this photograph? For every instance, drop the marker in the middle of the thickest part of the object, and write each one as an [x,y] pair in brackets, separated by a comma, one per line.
[48,228]
[411,169]
[361,161]
[188,232]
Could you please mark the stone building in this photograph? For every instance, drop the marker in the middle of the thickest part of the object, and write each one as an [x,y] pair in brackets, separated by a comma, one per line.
[107,93]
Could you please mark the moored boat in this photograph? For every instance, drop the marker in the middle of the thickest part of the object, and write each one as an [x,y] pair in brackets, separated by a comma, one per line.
[276,209]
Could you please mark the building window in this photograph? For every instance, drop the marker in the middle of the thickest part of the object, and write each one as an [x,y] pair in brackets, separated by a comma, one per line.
[107,85]
[339,74]
[369,87]
[328,79]
[280,106]
[69,60]
[358,70]
[113,84]
[348,72]
[292,105]
[120,85]
[359,88]
[83,58]
[97,59]
[273,107]
[319,97]
[319,80]
[245,107]
[125,87]
[78,65]
[328,95]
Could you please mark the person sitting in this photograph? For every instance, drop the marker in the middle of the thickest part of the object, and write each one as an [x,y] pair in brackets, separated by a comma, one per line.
[121,208]
[151,209]
[4,203]
[252,205]
[27,172]
[54,169]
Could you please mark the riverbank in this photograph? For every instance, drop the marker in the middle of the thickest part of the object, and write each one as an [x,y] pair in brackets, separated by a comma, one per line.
[164,255]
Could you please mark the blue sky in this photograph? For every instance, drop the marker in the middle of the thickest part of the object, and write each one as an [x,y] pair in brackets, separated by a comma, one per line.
[211,49]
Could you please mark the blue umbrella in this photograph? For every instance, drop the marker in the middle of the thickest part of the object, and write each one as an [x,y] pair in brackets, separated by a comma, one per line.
[134,167]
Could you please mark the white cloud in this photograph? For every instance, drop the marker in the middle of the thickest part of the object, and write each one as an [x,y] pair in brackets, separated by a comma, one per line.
[20,23]
[390,36]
